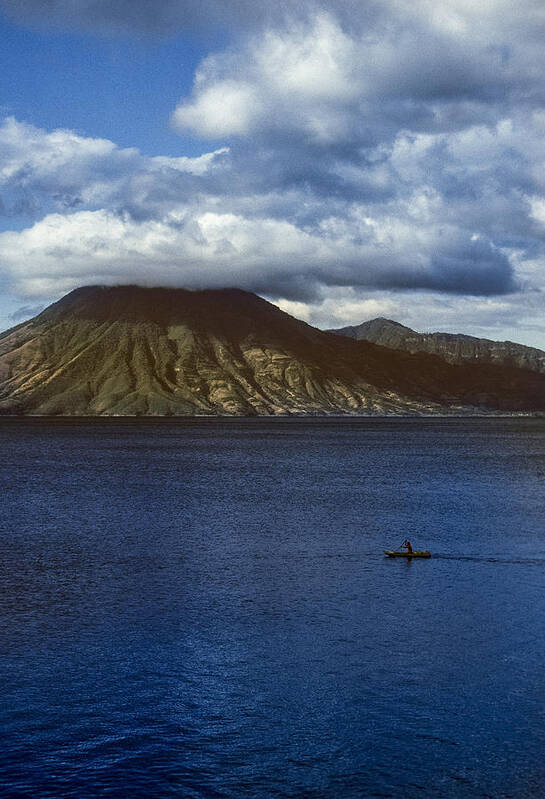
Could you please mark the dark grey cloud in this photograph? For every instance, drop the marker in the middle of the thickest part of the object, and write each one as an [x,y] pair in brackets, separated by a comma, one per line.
[164,17]
[25,312]
[473,267]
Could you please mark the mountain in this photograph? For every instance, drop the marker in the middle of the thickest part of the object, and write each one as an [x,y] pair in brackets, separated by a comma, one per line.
[128,350]
[454,348]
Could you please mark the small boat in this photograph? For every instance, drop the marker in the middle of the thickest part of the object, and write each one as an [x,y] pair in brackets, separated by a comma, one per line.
[416,554]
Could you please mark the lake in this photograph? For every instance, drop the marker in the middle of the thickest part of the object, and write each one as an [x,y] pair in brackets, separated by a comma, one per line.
[202,608]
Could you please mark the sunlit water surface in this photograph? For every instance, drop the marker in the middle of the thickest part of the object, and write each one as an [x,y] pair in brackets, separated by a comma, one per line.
[203,608]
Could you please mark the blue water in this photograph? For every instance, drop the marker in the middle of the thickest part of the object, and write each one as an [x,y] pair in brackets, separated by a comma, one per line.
[202,608]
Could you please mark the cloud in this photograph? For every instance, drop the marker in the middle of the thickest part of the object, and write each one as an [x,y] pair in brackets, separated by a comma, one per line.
[303,80]
[225,108]
[109,215]
[42,171]
[25,312]
[142,16]
[198,249]
[357,86]
[361,149]
[518,317]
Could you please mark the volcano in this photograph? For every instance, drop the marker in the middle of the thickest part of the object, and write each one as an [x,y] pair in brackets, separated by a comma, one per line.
[133,351]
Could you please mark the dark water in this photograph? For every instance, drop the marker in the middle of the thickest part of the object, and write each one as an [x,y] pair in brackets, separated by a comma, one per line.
[202,609]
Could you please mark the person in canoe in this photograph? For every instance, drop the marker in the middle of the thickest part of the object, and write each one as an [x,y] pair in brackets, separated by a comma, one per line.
[408,547]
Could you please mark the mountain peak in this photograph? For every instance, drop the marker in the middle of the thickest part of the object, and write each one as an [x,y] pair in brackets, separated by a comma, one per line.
[157,304]
[376,330]
[222,312]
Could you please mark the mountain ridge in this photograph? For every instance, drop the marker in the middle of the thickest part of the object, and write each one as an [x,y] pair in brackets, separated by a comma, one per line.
[128,350]
[453,347]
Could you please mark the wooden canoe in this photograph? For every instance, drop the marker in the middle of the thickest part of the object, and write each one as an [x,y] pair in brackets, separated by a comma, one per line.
[416,554]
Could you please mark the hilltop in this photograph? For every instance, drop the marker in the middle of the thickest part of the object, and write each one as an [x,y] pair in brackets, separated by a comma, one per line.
[453,347]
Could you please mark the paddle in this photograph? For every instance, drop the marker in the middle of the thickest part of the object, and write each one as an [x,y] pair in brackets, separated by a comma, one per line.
[397,549]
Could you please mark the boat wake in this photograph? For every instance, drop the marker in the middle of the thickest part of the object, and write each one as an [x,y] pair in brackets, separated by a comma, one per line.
[490,559]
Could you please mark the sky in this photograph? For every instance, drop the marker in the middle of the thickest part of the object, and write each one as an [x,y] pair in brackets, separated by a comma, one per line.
[344,159]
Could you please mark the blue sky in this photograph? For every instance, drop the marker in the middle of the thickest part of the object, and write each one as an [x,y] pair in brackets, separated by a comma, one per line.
[344,159]
[120,87]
